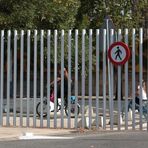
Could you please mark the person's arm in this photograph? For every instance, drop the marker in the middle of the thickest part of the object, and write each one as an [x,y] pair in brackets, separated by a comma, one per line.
[138,91]
[65,73]
[58,80]
[51,83]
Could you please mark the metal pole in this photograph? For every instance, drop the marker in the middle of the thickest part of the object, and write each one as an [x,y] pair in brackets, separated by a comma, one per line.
[141,73]
[90,78]
[48,75]
[42,74]
[28,78]
[62,79]
[2,78]
[119,87]
[112,85]
[133,78]
[35,78]
[8,77]
[15,78]
[104,79]
[126,85]
[69,78]
[83,74]
[76,76]
[21,77]
[97,77]
[55,78]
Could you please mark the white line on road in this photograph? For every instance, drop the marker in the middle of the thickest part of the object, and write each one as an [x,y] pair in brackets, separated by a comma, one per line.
[29,136]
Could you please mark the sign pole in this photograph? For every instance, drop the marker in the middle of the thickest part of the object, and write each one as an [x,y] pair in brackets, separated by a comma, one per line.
[109,78]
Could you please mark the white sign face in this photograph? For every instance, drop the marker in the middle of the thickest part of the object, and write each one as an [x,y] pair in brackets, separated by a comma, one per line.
[118,53]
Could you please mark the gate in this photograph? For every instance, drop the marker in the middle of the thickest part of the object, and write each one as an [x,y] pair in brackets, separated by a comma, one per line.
[29,61]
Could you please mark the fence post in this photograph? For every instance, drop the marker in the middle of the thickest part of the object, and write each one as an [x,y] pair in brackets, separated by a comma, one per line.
[55,77]
[104,78]
[2,78]
[126,84]
[15,78]
[28,77]
[35,78]
[8,76]
[21,77]
[112,86]
[48,74]
[69,78]
[97,77]
[42,74]
[119,87]
[76,76]
[83,75]
[62,79]
[133,78]
[90,78]
[141,73]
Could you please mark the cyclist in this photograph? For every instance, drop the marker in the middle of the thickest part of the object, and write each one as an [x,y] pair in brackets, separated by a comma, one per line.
[59,84]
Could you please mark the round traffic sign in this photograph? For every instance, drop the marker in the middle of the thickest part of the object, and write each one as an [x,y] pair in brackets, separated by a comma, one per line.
[118,53]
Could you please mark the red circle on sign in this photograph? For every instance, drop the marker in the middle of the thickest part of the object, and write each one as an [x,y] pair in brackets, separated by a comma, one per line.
[127,51]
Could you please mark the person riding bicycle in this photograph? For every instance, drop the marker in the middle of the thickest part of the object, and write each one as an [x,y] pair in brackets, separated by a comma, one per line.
[71,110]
[59,84]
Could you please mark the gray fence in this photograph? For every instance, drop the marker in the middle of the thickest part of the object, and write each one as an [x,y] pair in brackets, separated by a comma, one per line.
[29,62]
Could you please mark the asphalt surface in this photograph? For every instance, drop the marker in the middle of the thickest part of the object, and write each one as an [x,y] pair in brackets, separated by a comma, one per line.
[85,139]
[12,133]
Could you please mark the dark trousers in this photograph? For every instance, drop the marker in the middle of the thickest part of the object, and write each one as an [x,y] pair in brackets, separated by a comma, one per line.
[137,106]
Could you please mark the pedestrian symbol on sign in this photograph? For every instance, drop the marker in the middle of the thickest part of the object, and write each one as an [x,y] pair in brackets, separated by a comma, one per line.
[118,53]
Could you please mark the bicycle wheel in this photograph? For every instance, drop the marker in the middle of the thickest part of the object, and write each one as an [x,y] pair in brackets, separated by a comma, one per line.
[38,109]
[72,110]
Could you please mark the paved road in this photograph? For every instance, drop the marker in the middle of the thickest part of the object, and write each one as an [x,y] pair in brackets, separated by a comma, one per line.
[85,140]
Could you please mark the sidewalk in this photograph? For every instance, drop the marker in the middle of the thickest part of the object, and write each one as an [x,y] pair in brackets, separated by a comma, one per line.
[12,133]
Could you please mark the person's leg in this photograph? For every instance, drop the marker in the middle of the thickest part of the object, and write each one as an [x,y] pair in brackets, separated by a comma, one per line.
[65,91]
[145,111]
[137,103]
[130,105]
[65,99]
[137,107]
[58,93]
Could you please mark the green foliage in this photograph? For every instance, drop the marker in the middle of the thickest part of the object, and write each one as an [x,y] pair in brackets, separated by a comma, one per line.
[124,13]
[69,14]
[38,14]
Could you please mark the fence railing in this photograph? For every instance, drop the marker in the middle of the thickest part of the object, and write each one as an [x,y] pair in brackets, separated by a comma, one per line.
[29,61]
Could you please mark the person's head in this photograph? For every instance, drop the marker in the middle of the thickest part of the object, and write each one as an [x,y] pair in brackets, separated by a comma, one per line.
[143,83]
[59,69]
[65,71]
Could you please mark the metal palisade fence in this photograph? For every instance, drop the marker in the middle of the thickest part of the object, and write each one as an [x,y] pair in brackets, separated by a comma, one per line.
[101,91]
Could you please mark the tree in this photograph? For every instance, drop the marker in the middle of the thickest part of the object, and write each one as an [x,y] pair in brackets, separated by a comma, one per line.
[124,13]
[38,14]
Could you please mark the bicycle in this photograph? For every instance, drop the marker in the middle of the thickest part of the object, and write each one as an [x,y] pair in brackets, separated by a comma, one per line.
[72,108]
